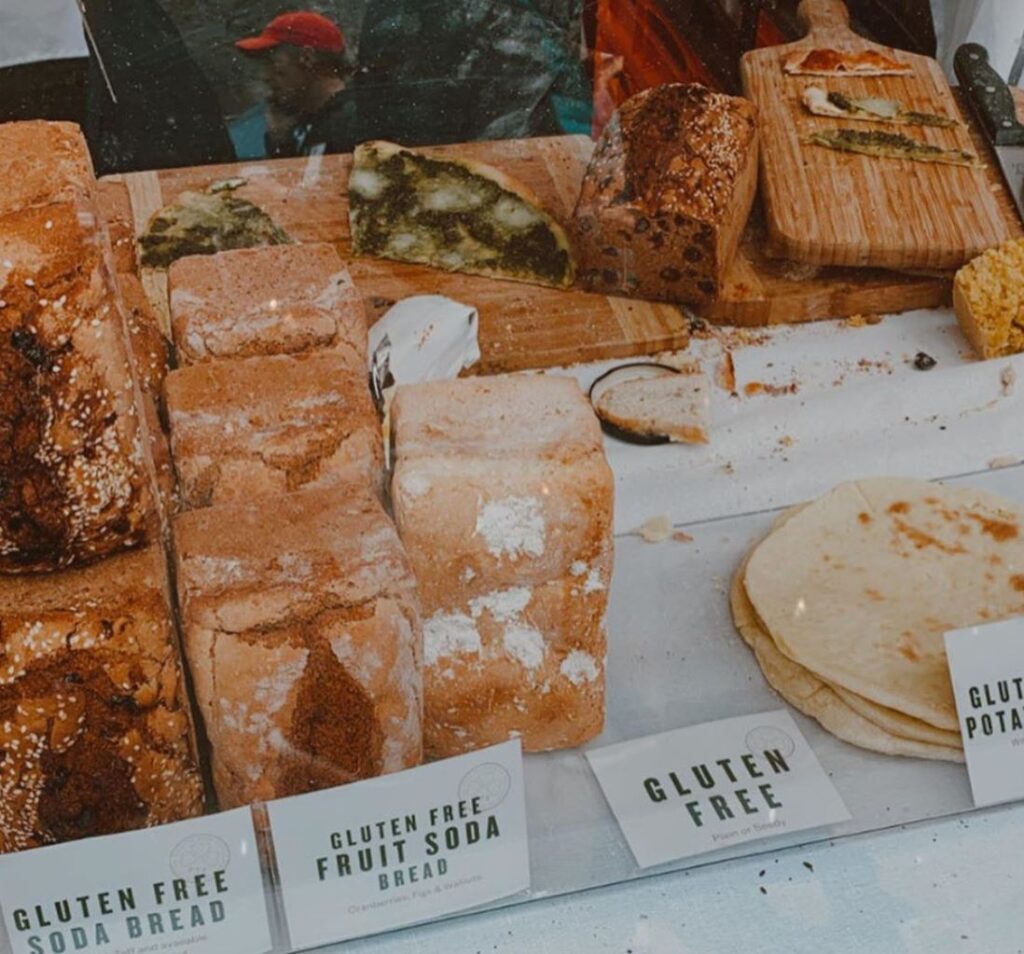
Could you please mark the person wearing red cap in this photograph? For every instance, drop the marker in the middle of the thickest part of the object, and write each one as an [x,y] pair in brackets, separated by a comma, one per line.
[306,70]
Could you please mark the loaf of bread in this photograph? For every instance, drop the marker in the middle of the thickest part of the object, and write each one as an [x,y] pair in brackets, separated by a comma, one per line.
[74,485]
[150,354]
[303,636]
[281,299]
[95,732]
[503,500]
[42,162]
[261,427]
[988,297]
[667,193]
[115,207]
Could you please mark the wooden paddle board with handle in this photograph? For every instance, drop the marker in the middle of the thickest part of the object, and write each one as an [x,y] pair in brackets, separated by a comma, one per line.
[826,207]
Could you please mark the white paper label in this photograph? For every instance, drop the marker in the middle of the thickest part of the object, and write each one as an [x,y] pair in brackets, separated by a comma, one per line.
[193,887]
[403,848]
[714,785]
[986,664]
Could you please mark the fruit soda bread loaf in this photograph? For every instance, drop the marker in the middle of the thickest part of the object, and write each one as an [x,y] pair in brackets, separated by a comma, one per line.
[302,633]
[115,207]
[260,427]
[453,214]
[988,297]
[42,162]
[503,499]
[667,193]
[281,299]
[74,485]
[95,734]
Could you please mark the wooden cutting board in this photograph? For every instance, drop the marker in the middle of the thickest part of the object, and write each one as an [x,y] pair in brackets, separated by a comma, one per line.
[521,326]
[831,208]
[524,326]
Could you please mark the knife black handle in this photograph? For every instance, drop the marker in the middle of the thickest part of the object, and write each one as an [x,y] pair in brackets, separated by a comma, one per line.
[988,94]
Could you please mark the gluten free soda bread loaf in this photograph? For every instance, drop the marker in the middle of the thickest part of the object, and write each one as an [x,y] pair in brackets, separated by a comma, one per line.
[503,499]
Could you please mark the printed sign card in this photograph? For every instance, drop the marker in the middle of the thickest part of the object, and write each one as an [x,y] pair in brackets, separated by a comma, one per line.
[986,664]
[403,848]
[714,785]
[193,887]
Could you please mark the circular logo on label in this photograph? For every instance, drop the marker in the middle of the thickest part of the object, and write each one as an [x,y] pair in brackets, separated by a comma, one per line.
[489,782]
[767,737]
[198,854]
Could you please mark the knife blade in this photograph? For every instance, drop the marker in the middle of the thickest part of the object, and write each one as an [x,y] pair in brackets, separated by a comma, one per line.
[992,102]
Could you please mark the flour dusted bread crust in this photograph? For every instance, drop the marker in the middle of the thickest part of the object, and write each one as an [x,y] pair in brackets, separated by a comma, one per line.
[303,637]
[74,486]
[42,162]
[261,427]
[667,193]
[283,299]
[95,732]
[503,499]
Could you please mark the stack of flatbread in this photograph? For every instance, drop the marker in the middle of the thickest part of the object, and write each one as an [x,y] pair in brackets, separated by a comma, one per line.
[846,603]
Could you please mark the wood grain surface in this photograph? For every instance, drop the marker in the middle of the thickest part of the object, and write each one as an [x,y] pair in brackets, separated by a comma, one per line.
[826,207]
[521,326]
[525,326]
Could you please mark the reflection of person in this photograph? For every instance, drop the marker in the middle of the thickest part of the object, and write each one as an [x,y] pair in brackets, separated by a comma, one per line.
[304,66]
[148,105]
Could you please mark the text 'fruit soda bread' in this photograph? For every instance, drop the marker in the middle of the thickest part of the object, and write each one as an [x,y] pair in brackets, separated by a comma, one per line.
[503,499]
[74,486]
[302,634]
[261,427]
[667,194]
[281,299]
[95,733]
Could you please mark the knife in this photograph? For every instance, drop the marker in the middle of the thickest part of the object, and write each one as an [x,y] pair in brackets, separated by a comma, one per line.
[992,102]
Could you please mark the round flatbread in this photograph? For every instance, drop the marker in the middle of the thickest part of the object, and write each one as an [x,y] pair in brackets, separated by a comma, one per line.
[814,698]
[861,585]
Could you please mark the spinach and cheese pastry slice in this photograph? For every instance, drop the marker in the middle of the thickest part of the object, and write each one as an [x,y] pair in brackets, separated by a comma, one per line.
[889,145]
[870,109]
[453,214]
[203,223]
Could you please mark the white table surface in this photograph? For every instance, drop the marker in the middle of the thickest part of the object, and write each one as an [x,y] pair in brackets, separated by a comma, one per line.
[953,885]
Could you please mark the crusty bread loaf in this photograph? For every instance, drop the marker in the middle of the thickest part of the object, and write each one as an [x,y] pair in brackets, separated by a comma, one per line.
[95,733]
[260,427]
[503,499]
[115,207]
[667,193]
[74,485]
[303,637]
[988,297]
[281,299]
[42,162]
[150,356]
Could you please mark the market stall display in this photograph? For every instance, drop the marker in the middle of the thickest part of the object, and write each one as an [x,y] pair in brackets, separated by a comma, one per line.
[367,567]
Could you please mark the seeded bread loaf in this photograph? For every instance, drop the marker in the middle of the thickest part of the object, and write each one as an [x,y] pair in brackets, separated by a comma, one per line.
[503,499]
[115,206]
[74,485]
[150,354]
[42,162]
[303,637]
[95,732]
[667,193]
[281,299]
[261,427]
